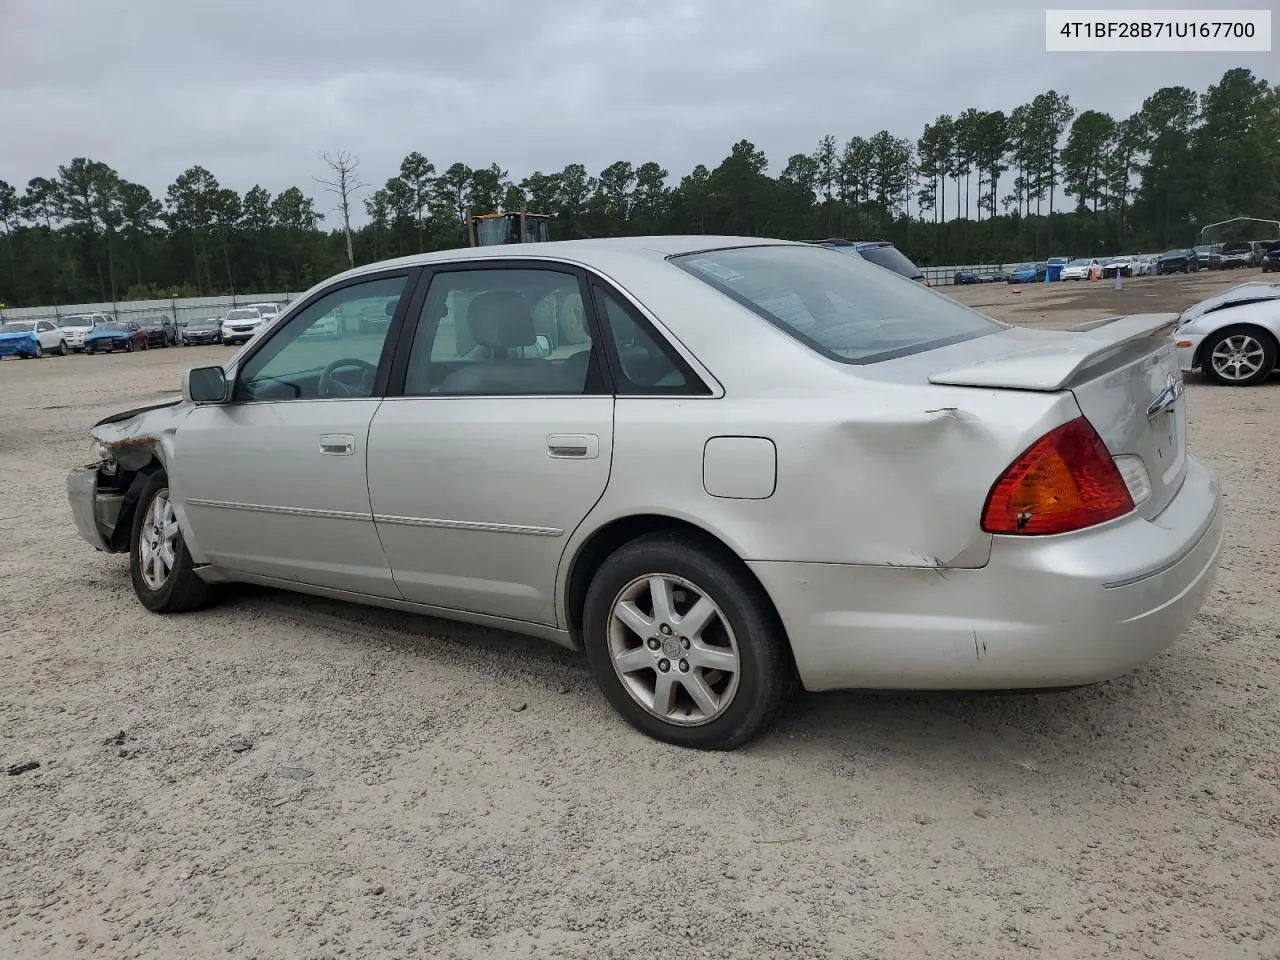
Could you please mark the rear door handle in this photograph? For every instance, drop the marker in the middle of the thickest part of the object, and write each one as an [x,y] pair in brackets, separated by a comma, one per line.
[573,446]
[337,444]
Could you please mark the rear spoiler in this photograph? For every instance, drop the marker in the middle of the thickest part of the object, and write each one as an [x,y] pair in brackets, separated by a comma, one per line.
[1048,361]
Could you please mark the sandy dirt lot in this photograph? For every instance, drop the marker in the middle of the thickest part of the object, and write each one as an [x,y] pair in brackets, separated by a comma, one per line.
[286,777]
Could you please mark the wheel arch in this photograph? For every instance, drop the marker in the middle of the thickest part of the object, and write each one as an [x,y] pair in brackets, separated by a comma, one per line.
[1244,326]
[620,531]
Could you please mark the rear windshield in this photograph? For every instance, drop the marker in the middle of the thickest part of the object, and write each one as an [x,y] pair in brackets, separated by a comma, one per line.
[844,308]
[891,258]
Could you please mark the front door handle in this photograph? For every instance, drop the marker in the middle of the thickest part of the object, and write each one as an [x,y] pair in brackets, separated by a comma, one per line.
[337,444]
[573,446]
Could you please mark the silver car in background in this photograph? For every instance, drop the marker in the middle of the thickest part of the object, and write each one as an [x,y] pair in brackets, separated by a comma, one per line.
[713,464]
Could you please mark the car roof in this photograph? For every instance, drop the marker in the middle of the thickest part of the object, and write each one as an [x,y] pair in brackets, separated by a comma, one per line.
[652,248]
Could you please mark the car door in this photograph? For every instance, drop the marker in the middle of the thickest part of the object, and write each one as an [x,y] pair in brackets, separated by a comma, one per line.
[48,335]
[499,442]
[273,480]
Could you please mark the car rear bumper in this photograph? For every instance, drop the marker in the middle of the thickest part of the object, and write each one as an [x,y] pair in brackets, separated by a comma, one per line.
[1045,612]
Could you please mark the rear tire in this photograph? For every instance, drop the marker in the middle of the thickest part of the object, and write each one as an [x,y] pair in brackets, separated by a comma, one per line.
[171,586]
[710,707]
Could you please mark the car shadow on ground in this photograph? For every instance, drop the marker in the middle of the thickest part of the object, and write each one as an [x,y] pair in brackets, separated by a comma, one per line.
[842,732]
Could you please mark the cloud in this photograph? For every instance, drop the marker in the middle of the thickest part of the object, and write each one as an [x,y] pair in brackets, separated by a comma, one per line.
[254,89]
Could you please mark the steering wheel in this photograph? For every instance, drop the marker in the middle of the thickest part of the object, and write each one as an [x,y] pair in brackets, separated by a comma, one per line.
[331,386]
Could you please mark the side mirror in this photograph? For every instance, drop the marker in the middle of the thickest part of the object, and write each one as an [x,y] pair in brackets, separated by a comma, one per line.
[542,345]
[204,385]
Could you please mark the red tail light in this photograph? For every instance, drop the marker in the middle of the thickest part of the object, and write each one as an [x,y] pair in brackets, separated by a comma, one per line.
[1066,481]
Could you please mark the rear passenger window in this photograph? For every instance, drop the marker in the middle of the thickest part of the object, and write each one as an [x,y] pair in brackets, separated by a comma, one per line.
[645,365]
[501,332]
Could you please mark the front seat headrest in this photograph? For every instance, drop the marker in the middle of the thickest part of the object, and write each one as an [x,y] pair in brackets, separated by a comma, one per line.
[501,320]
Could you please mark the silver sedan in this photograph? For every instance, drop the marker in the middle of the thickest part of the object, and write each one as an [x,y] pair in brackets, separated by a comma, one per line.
[715,465]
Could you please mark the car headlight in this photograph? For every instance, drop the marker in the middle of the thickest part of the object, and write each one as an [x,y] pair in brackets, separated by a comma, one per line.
[99,454]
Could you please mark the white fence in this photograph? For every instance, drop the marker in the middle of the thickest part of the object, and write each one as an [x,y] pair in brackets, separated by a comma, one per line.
[181,309]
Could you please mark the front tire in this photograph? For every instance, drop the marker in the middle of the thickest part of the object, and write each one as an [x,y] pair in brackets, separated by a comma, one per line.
[39,354]
[62,349]
[160,567]
[685,644]
[1239,356]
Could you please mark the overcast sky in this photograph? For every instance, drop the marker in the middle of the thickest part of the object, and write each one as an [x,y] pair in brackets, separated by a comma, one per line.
[253,89]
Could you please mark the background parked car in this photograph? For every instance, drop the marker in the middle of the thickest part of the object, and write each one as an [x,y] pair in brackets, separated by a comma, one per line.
[242,324]
[77,325]
[18,339]
[1177,261]
[1122,265]
[49,338]
[1028,273]
[1081,268]
[1271,258]
[206,330]
[1209,255]
[1235,255]
[160,329]
[1232,337]
[268,310]
[116,335]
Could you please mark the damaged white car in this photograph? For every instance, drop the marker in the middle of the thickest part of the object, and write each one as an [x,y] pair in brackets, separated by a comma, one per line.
[1232,337]
[713,464]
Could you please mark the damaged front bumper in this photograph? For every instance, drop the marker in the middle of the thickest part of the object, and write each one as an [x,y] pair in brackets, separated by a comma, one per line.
[96,510]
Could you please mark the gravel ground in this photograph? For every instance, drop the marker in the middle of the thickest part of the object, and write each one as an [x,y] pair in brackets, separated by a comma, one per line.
[286,777]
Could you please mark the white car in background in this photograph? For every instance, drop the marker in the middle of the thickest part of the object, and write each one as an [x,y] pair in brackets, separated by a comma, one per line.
[242,324]
[269,310]
[75,327]
[1233,337]
[1080,269]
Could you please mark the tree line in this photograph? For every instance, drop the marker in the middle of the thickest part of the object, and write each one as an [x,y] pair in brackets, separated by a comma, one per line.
[981,186]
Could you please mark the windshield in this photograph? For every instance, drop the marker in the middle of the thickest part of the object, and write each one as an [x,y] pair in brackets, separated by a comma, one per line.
[1203,247]
[1078,263]
[151,322]
[15,327]
[244,315]
[80,320]
[842,307]
[891,258]
[114,325]
[202,324]
[266,308]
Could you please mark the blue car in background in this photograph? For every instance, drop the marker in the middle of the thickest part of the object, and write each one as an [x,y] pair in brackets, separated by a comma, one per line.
[19,340]
[1028,273]
[116,335]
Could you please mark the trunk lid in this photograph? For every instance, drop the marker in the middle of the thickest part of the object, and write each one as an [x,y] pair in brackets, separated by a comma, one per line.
[1123,373]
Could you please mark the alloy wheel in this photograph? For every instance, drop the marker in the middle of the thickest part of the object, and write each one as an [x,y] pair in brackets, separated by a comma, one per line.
[1237,357]
[158,543]
[673,649]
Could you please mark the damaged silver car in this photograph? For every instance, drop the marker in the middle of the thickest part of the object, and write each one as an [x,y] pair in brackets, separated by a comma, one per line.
[715,465]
